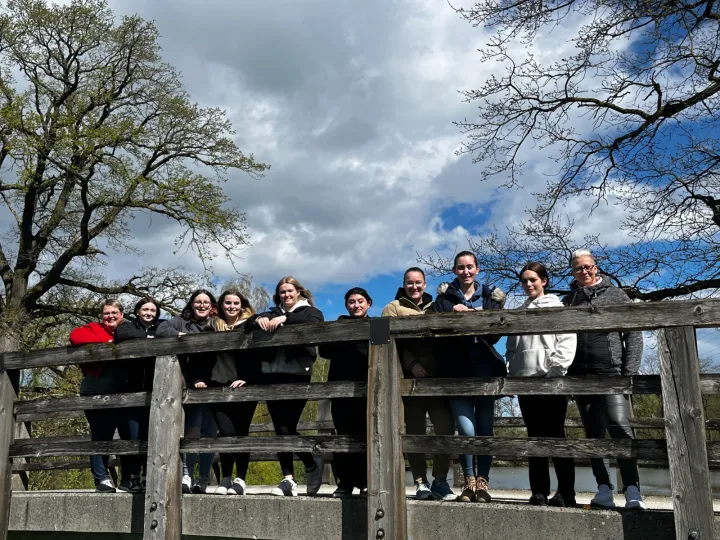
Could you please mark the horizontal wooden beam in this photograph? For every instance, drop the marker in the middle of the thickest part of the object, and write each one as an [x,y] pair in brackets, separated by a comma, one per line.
[633,316]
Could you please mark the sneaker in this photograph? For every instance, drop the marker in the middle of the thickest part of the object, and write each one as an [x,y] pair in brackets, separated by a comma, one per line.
[313,477]
[603,498]
[481,490]
[441,490]
[186,484]
[468,492]
[223,486]
[562,501]
[422,491]
[364,492]
[237,487]
[538,499]
[287,488]
[105,486]
[200,486]
[633,499]
[342,493]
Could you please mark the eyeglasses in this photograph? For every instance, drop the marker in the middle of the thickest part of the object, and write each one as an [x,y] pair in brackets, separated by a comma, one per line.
[201,304]
[584,268]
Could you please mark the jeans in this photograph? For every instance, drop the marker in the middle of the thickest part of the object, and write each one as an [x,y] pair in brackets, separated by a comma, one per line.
[474,416]
[199,422]
[610,413]
[103,424]
[545,417]
[441,417]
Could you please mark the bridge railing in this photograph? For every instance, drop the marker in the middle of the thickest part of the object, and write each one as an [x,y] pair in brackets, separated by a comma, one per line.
[685,446]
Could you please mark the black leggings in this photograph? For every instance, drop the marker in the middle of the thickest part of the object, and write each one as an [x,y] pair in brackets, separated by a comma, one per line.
[233,420]
[350,418]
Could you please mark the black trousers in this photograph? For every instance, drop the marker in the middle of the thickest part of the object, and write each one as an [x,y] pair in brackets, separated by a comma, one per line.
[350,418]
[233,420]
[608,414]
[544,416]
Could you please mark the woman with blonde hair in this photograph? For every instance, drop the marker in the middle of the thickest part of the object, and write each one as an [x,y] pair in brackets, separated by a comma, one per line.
[293,305]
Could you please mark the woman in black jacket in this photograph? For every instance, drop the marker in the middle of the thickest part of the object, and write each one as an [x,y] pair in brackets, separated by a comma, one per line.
[349,362]
[293,305]
[231,369]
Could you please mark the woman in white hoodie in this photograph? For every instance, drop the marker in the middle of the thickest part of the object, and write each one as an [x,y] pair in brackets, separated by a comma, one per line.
[545,355]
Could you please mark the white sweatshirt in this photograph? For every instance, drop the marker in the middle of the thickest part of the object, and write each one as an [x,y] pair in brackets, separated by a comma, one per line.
[546,355]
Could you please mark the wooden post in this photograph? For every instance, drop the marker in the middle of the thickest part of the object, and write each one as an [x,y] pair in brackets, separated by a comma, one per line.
[21,480]
[685,434]
[387,516]
[163,498]
[7,427]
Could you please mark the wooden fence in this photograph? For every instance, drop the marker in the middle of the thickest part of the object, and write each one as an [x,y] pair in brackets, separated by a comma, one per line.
[680,384]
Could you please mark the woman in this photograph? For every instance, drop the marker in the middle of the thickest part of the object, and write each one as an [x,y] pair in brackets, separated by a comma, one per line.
[293,305]
[418,360]
[107,378]
[472,356]
[545,355]
[349,362]
[140,371]
[234,370]
[194,319]
[605,353]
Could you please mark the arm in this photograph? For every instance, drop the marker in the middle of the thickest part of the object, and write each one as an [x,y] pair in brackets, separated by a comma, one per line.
[307,315]
[90,333]
[632,352]
[563,355]
[510,349]
[128,330]
[171,328]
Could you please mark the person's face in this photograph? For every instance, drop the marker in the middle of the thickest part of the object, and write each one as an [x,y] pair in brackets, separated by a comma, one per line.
[532,284]
[414,286]
[288,294]
[585,271]
[357,305]
[466,270]
[147,313]
[111,317]
[232,305]
[201,306]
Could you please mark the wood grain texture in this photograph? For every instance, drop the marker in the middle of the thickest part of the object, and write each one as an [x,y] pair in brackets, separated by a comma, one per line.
[685,433]
[387,515]
[633,316]
[7,427]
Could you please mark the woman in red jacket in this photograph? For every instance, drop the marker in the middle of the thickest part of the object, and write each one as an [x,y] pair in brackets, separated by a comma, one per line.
[107,378]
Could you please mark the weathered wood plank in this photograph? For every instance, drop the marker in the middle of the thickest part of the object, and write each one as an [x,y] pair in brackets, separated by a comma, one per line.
[20,480]
[163,497]
[40,409]
[310,391]
[7,426]
[634,316]
[387,515]
[685,433]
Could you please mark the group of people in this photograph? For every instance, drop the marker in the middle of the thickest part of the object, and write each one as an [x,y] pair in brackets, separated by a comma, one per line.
[546,355]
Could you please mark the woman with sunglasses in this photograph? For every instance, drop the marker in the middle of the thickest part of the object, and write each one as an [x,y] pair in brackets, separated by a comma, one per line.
[605,353]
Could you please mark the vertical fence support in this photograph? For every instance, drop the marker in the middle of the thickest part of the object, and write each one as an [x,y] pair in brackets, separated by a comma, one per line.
[387,516]
[685,434]
[163,498]
[7,427]
[21,480]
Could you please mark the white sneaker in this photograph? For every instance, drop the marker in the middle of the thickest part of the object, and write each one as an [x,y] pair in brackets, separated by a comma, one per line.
[223,486]
[287,488]
[237,487]
[633,499]
[422,491]
[603,498]
[105,486]
[186,484]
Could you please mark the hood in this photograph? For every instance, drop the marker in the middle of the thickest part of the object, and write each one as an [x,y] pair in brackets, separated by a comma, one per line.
[426,298]
[545,301]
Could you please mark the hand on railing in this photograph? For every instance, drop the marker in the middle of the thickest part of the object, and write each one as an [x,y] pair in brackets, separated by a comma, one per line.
[419,372]
[461,307]
[200,385]
[270,325]
[237,384]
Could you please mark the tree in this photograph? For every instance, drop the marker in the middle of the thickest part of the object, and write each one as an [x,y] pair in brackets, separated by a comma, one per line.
[256,293]
[96,129]
[631,117]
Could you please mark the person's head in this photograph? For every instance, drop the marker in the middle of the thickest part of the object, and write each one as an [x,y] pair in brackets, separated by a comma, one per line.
[234,305]
[147,310]
[199,306]
[289,292]
[357,302]
[414,284]
[111,313]
[583,267]
[534,279]
[465,267]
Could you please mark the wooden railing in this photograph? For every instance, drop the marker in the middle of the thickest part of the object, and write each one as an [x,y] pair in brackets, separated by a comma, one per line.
[680,384]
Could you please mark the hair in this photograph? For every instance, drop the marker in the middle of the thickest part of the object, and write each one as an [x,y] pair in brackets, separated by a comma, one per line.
[147,300]
[247,311]
[112,302]
[413,269]
[580,253]
[539,269]
[465,254]
[302,291]
[187,312]
[358,290]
